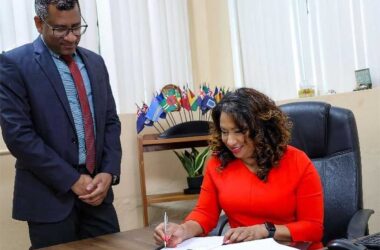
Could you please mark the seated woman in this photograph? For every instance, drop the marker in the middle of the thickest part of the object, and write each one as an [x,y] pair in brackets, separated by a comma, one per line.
[266,187]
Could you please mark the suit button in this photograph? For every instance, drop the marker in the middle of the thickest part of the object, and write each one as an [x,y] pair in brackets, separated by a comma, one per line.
[73,141]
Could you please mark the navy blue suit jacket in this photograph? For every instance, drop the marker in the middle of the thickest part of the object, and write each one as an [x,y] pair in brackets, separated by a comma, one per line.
[38,129]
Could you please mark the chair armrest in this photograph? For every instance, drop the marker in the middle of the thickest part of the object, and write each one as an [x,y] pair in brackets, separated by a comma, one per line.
[218,230]
[223,220]
[358,225]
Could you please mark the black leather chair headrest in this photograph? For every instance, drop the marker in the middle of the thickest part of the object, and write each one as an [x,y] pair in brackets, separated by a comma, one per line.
[310,123]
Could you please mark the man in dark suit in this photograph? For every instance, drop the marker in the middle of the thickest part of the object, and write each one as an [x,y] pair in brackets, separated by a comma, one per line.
[58,118]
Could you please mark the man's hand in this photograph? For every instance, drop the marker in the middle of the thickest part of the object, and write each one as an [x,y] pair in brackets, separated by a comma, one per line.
[81,185]
[97,189]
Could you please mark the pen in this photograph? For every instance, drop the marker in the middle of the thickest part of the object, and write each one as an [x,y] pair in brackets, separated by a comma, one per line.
[165,228]
[226,242]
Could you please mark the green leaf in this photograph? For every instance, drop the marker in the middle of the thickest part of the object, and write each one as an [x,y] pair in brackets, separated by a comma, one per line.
[200,161]
[182,158]
[189,154]
[194,152]
[192,161]
[188,164]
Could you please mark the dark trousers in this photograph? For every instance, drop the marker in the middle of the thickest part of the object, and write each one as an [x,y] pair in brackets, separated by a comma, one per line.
[84,221]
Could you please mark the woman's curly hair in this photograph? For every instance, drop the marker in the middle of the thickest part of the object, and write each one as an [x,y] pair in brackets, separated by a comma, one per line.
[268,127]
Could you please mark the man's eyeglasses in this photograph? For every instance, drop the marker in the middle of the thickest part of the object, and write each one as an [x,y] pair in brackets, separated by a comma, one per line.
[61,32]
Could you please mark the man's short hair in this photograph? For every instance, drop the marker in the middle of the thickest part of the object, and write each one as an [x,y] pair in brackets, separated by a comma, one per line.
[41,6]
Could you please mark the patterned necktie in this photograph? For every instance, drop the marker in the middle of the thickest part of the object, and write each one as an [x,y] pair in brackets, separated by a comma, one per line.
[86,112]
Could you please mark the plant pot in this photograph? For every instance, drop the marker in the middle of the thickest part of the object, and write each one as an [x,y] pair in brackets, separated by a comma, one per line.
[194,184]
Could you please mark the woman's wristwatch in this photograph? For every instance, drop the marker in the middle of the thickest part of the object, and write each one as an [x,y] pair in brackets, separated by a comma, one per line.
[271,229]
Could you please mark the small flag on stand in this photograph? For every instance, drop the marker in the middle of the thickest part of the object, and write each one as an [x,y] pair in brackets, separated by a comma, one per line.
[141,117]
[192,100]
[155,110]
[185,100]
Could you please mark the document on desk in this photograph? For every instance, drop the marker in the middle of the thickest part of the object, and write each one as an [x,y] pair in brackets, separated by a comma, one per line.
[215,243]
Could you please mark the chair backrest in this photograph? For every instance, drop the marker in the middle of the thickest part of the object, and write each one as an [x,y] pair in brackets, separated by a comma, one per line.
[328,135]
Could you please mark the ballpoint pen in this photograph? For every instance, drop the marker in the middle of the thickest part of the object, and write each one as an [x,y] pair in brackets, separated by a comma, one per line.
[226,242]
[165,228]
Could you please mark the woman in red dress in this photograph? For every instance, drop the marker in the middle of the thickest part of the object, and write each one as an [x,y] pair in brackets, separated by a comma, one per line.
[266,187]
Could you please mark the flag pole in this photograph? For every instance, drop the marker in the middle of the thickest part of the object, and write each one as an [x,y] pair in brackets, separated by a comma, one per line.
[172,118]
[184,113]
[157,129]
[179,112]
[161,126]
[166,119]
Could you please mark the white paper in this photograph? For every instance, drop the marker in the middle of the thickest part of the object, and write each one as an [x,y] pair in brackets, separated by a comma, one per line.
[200,243]
[215,243]
[267,244]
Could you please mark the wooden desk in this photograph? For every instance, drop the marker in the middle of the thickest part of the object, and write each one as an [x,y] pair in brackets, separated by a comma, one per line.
[137,239]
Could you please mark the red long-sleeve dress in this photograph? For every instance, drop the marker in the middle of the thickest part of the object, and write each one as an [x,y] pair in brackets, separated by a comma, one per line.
[292,196]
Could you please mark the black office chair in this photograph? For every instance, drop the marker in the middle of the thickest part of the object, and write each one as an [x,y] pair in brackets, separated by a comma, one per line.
[328,135]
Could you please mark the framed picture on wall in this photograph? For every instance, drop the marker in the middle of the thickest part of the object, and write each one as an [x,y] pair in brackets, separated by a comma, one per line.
[363,79]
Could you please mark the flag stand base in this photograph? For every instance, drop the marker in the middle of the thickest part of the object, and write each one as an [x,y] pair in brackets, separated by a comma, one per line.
[186,129]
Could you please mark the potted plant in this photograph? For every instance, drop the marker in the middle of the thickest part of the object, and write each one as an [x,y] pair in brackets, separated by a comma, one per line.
[193,162]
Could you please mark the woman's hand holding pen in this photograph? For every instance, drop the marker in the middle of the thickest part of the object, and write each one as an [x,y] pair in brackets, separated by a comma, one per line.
[175,234]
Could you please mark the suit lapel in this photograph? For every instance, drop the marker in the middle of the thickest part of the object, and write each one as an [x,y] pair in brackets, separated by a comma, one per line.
[44,59]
